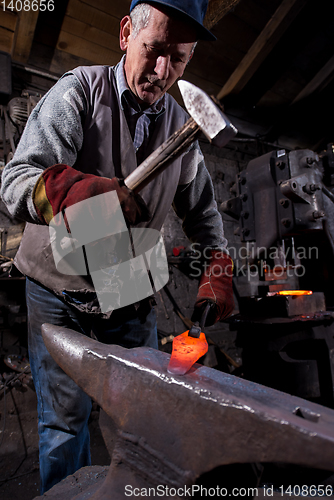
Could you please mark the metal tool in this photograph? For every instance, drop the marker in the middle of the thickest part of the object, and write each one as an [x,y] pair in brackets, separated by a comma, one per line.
[172,429]
[206,116]
[197,327]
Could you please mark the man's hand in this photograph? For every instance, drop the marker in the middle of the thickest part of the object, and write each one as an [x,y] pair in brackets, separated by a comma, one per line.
[61,186]
[215,286]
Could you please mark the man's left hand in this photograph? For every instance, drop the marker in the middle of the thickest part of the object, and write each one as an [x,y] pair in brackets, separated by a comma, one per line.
[215,286]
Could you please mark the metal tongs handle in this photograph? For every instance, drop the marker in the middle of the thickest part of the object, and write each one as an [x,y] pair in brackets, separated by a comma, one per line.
[195,330]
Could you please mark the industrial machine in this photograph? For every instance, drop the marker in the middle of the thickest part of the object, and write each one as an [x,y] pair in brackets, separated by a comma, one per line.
[284,271]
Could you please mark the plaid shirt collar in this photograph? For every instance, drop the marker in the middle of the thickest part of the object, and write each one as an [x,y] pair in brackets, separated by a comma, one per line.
[128,100]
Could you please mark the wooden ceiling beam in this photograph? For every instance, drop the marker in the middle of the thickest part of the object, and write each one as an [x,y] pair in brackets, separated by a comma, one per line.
[217,9]
[24,35]
[8,22]
[262,46]
[326,73]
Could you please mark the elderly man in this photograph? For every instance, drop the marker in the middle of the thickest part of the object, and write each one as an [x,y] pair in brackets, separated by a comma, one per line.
[90,131]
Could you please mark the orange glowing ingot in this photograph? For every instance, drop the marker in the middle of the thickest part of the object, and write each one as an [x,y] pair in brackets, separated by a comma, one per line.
[186,351]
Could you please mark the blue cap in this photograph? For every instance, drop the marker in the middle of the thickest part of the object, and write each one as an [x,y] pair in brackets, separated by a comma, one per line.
[193,10]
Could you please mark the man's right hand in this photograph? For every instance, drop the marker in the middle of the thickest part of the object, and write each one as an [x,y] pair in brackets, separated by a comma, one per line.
[61,186]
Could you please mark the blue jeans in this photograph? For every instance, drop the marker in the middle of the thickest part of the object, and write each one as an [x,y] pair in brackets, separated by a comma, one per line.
[63,408]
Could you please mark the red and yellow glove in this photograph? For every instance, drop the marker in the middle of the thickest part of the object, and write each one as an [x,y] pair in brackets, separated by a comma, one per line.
[215,286]
[61,186]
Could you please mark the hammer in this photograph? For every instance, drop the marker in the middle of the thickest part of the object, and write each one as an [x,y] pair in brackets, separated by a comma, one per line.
[205,116]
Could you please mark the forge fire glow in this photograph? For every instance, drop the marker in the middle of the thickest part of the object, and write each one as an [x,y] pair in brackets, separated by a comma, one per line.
[291,292]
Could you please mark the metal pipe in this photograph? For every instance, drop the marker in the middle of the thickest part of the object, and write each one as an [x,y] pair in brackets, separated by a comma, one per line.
[34,71]
[328,193]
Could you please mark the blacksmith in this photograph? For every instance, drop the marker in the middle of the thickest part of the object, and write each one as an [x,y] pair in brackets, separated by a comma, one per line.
[89,131]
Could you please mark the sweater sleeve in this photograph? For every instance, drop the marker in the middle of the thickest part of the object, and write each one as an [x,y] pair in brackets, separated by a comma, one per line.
[53,134]
[195,204]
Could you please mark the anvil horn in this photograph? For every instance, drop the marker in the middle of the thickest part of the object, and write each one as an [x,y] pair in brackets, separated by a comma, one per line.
[80,357]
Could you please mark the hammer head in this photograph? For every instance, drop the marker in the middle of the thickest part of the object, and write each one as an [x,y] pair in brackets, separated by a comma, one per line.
[208,116]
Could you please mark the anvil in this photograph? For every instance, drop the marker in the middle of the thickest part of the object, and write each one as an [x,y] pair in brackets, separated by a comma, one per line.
[172,428]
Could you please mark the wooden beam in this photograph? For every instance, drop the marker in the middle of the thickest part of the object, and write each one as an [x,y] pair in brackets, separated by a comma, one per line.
[316,82]
[6,40]
[93,16]
[62,62]
[46,36]
[90,33]
[116,8]
[88,50]
[262,46]
[8,20]
[24,35]
[217,9]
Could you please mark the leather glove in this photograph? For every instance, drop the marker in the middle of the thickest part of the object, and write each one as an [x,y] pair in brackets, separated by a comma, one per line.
[61,186]
[215,286]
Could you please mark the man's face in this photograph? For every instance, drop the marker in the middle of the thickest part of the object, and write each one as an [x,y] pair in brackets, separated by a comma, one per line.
[157,56]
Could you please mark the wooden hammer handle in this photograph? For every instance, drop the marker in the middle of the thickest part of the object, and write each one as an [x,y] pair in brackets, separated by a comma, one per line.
[162,156]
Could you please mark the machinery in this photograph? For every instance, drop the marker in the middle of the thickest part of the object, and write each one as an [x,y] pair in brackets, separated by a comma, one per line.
[284,270]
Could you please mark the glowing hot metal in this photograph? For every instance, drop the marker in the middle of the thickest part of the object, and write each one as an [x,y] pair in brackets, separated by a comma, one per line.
[186,351]
[189,346]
